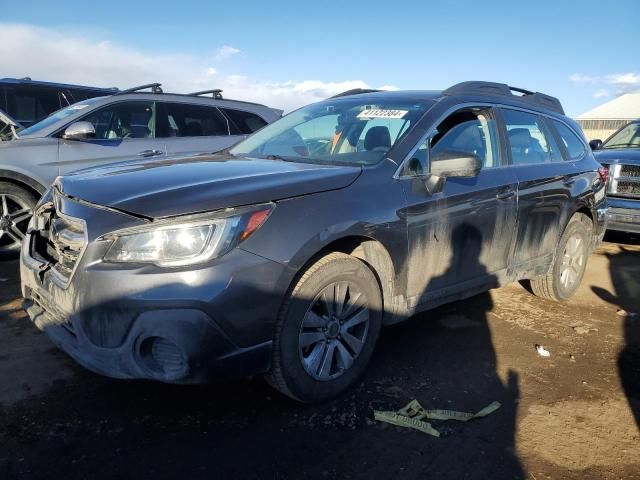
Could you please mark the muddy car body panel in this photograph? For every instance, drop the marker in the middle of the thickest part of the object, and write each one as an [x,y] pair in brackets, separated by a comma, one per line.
[429,239]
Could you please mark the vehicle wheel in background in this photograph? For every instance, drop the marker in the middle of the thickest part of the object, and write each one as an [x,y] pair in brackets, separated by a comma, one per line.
[16,208]
[327,329]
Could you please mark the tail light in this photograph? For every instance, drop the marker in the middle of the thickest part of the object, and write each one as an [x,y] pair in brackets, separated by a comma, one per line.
[604,173]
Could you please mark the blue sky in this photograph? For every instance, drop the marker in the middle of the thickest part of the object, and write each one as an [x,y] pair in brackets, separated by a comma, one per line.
[293,52]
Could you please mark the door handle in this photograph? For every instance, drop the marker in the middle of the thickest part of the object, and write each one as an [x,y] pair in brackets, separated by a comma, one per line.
[568,181]
[150,153]
[506,195]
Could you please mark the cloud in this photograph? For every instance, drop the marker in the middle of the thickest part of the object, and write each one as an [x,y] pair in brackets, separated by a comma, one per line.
[618,82]
[581,79]
[226,52]
[56,55]
[625,81]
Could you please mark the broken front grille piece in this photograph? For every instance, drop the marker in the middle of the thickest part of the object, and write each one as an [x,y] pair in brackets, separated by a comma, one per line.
[59,242]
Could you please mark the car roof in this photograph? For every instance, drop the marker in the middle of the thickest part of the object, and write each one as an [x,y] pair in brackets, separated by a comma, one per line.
[38,83]
[267,113]
[474,91]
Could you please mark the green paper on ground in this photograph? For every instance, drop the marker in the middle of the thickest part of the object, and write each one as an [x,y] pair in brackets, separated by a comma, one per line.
[413,415]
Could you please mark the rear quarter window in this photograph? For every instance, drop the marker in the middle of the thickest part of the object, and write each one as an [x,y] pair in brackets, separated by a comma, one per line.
[246,122]
[573,144]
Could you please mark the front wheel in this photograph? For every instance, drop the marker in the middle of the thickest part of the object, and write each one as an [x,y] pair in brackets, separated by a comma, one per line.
[570,263]
[327,329]
[16,208]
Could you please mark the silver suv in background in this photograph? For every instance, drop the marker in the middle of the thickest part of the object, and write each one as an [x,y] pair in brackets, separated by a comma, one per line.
[130,124]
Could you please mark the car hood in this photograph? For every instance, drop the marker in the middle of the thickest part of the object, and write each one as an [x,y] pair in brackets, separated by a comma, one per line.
[618,155]
[179,186]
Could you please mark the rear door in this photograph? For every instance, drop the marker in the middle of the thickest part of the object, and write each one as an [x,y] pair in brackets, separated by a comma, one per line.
[192,129]
[124,131]
[544,187]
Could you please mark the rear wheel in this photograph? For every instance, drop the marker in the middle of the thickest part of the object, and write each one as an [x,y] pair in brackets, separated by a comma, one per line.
[16,208]
[327,329]
[567,271]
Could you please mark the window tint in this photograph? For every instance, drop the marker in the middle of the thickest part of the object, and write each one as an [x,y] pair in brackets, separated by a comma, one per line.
[123,120]
[246,122]
[465,131]
[572,143]
[527,139]
[29,105]
[184,120]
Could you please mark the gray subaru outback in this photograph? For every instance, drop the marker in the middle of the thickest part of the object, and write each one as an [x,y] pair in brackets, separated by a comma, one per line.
[286,254]
[128,124]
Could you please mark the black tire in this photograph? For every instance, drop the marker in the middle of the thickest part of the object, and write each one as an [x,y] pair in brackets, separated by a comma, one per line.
[16,198]
[288,373]
[552,285]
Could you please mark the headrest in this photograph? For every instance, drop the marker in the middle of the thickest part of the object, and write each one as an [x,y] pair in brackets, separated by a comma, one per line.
[520,137]
[377,137]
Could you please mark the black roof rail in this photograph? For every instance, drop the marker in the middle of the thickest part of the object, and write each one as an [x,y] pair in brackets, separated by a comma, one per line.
[155,88]
[215,93]
[503,90]
[355,91]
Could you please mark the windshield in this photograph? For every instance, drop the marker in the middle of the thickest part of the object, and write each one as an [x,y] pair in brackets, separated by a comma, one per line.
[628,136]
[342,131]
[57,116]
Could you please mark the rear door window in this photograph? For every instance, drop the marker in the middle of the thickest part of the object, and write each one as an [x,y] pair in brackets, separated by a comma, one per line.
[245,122]
[574,146]
[186,120]
[529,142]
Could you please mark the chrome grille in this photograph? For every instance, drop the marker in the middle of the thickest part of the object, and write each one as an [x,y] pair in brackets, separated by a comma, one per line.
[624,181]
[630,171]
[630,188]
[59,242]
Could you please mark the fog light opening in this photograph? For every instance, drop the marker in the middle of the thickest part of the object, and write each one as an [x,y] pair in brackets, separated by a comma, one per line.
[162,356]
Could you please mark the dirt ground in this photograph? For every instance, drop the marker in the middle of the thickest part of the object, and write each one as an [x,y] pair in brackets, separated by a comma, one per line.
[573,415]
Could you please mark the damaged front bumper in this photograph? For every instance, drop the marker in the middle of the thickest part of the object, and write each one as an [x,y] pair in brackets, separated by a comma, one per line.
[140,321]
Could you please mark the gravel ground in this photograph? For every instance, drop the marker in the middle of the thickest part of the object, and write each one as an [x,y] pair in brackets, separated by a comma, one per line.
[573,415]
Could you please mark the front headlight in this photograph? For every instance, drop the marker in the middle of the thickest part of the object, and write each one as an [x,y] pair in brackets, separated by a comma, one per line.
[186,241]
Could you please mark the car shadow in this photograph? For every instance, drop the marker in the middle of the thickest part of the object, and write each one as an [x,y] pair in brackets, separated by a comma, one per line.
[92,426]
[625,277]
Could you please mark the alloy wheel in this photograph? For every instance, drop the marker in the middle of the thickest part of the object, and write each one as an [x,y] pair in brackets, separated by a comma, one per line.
[573,261]
[334,331]
[14,218]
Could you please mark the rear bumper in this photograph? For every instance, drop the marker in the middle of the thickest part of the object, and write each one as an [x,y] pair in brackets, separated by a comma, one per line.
[623,215]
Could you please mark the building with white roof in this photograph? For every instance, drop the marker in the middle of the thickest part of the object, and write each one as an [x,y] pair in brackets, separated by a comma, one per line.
[605,119]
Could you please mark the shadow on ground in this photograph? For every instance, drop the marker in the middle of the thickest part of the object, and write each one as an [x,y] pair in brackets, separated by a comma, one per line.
[625,277]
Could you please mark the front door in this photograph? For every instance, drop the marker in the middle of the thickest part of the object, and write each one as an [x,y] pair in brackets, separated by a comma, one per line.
[460,237]
[124,131]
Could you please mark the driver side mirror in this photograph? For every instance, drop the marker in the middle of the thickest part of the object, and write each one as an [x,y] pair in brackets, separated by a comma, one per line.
[454,163]
[79,131]
[595,144]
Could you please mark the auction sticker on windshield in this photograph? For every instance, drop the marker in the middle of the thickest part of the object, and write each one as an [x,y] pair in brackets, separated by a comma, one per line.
[378,113]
